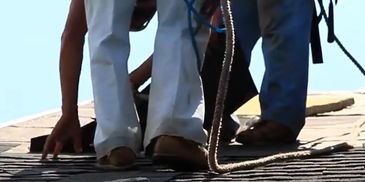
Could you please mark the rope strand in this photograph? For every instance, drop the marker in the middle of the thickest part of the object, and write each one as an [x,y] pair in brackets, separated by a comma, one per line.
[218,112]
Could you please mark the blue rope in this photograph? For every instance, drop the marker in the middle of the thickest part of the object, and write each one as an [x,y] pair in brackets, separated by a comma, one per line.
[339,43]
[192,11]
[192,34]
[200,18]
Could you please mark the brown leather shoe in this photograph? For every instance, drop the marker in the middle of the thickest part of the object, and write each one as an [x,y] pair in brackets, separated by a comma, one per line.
[266,132]
[180,154]
[120,158]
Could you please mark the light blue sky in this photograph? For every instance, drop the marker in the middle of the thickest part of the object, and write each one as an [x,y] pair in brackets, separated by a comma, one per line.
[30,40]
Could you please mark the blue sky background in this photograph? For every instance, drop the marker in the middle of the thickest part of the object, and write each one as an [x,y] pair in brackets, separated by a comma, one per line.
[30,41]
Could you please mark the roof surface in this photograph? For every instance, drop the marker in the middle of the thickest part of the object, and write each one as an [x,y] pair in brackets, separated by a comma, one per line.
[321,130]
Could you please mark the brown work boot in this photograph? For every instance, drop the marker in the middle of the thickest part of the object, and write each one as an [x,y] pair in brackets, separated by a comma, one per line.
[120,158]
[180,154]
[266,132]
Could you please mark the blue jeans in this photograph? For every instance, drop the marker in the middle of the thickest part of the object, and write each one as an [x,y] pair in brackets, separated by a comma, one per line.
[284,26]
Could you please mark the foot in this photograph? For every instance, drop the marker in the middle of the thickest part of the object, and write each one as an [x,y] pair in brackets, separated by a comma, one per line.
[266,132]
[120,158]
[230,128]
[180,154]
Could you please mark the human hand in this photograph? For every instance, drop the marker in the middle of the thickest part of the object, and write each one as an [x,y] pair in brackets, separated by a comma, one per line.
[66,128]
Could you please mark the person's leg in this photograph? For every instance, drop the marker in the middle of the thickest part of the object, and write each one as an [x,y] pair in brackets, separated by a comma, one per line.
[246,24]
[241,87]
[176,105]
[108,24]
[285,26]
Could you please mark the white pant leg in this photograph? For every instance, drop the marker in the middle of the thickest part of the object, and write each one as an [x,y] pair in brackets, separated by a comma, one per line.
[176,105]
[117,121]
